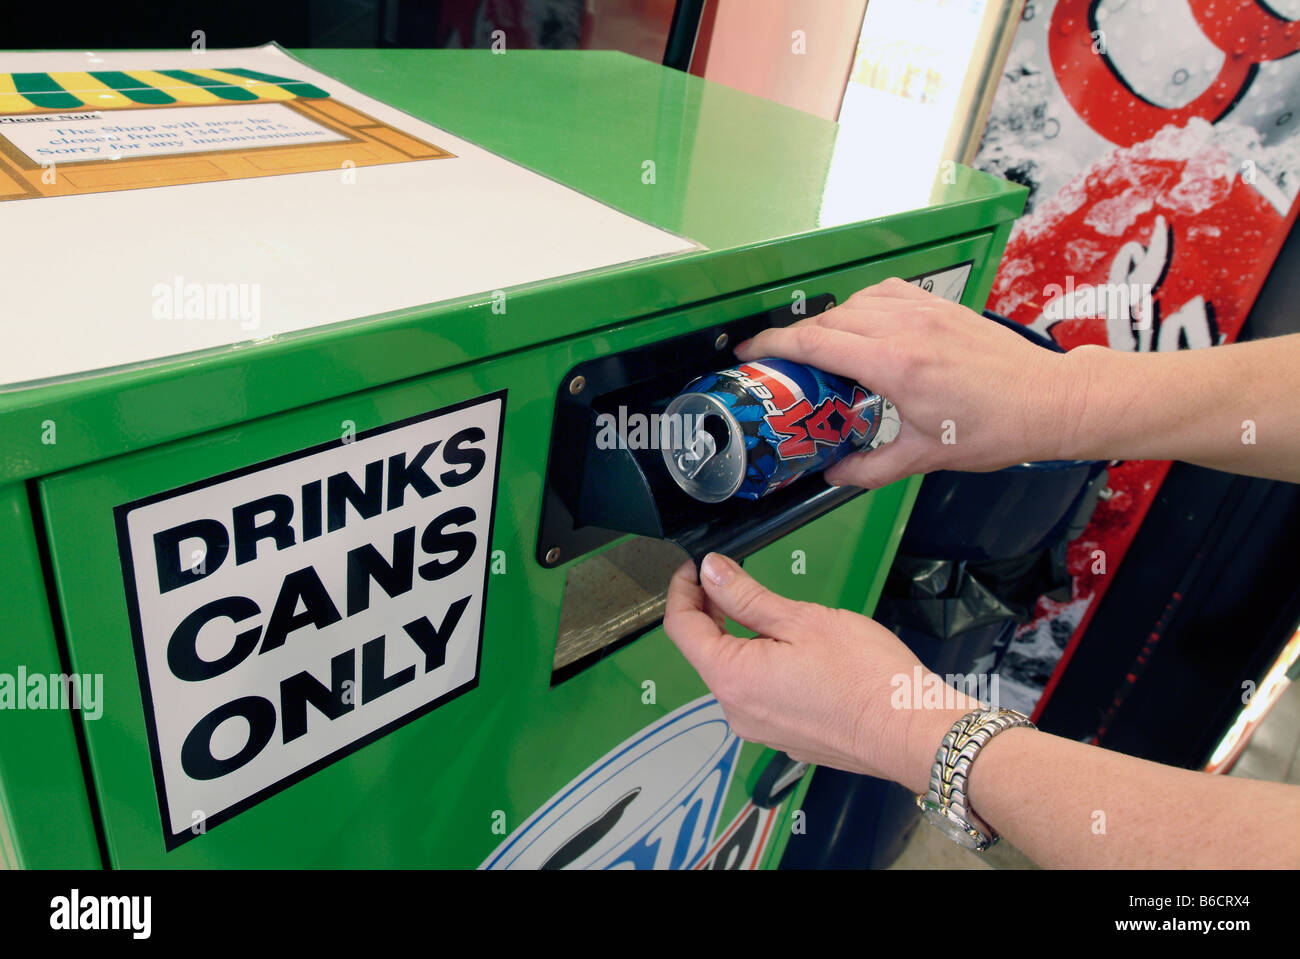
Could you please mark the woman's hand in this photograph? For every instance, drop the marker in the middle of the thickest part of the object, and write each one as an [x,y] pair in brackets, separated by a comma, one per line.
[820,684]
[972,394]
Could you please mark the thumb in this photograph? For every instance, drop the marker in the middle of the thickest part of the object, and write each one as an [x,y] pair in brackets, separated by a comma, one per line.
[872,469]
[741,597]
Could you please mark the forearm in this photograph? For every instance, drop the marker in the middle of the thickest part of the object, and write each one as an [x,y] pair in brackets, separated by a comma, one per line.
[1231,408]
[1066,804]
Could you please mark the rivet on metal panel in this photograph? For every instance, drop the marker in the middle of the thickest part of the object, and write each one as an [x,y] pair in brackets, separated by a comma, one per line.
[721,342]
[553,554]
[577,385]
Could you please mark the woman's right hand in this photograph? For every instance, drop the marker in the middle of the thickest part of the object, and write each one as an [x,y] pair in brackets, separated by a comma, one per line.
[972,394]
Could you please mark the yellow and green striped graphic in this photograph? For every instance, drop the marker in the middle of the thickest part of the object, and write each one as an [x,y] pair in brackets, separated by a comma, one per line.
[114,89]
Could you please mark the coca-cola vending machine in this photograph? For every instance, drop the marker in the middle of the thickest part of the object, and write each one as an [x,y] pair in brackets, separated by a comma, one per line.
[1163,182]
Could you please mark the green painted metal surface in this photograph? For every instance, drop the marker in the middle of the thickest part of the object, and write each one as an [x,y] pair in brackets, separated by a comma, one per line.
[757,203]
[744,177]
[45,803]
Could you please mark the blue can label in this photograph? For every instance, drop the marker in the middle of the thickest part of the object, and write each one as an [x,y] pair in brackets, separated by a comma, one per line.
[795,419]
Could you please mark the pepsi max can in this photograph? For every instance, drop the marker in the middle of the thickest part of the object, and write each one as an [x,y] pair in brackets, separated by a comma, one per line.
[752,429]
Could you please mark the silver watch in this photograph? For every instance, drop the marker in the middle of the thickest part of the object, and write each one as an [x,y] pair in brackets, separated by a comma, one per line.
[945,804]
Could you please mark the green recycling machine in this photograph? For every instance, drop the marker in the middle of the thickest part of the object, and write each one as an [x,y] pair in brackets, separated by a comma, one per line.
[325,539]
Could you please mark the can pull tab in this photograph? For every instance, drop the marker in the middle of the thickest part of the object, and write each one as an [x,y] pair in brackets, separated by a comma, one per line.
[691,459]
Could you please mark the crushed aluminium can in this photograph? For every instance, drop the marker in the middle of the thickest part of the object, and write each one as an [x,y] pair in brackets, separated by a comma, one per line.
[754,428]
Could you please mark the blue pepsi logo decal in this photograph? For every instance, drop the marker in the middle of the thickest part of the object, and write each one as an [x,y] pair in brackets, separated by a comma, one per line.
[652,802]
[742,844]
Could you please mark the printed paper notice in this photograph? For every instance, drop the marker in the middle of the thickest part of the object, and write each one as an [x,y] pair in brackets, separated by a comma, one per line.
[163,203]
[149,133]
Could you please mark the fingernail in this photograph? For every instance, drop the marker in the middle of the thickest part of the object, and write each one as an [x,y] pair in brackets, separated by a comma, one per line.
[717,569]
[742,345]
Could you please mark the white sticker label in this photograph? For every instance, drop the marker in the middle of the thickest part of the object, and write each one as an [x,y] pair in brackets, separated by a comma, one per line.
[289,613]
[950,284]
[121,134]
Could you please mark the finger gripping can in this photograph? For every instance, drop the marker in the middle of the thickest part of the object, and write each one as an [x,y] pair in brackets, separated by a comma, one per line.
[752,429]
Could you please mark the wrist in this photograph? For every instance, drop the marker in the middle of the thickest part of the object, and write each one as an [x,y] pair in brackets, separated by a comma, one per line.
[925,731]
[1087,386]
